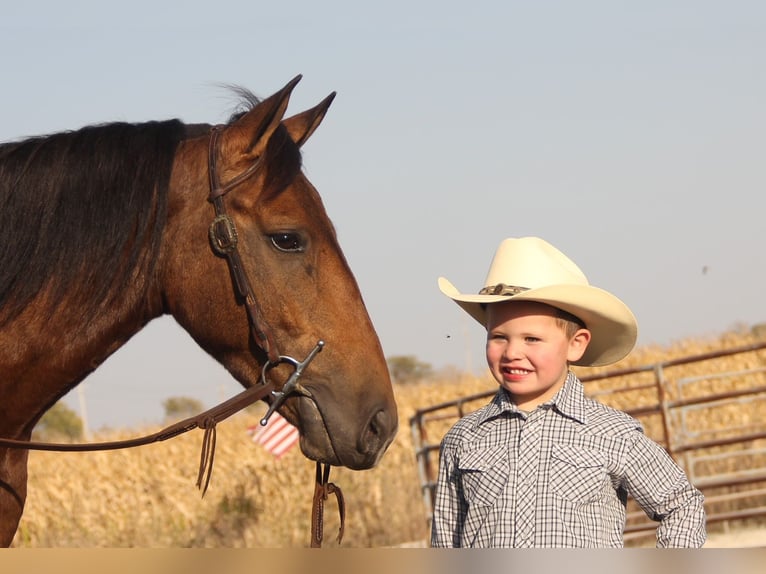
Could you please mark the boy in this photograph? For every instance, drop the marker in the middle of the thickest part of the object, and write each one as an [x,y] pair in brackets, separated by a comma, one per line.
[542,465]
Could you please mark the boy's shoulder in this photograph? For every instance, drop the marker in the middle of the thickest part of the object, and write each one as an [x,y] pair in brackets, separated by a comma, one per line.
[467,426]
[472,419]
[601,416]
[593,414]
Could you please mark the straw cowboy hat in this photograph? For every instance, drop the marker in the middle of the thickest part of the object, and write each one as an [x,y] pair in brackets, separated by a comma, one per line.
[531,269]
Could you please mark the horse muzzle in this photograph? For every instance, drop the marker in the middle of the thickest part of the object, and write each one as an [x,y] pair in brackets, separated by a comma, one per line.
[328,435]
[357,446]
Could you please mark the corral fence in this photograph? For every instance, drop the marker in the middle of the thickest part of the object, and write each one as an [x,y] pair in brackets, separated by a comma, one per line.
[707,410]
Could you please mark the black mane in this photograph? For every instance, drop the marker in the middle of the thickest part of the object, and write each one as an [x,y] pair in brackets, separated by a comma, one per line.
[82,209]
[82,212]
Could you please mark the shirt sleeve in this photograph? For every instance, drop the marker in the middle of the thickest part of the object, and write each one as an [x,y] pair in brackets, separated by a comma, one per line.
[449,504]
[664,493]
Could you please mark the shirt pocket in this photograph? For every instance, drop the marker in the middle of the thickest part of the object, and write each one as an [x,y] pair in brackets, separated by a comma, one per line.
[578,475]
[484,474]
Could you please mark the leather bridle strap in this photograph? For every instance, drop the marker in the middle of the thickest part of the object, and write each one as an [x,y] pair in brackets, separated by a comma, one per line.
[224,239]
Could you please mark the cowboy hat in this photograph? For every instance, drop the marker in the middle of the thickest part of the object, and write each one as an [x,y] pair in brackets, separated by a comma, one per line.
[531,269]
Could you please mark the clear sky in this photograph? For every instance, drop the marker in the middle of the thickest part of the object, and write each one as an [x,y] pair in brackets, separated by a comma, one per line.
[631,135]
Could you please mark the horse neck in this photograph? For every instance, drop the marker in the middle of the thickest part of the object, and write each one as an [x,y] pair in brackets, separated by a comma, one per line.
[51,353]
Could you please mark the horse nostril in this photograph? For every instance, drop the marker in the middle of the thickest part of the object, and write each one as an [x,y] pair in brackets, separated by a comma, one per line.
[378,433]
[380,425]
[376,423]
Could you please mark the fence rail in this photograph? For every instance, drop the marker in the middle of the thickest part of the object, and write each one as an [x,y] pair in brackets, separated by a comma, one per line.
[709,416]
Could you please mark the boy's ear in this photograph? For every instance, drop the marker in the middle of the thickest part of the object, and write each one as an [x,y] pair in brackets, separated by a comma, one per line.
[577,345]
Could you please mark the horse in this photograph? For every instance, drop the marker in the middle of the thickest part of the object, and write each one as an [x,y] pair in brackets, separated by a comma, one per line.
[107,227]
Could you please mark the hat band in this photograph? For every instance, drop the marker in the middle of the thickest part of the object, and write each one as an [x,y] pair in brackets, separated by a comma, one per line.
[502,289]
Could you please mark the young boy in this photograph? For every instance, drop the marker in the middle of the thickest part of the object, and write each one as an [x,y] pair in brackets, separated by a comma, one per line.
[542,465]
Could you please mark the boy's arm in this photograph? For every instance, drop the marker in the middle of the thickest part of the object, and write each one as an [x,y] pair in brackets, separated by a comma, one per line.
[662,490]
[449,506]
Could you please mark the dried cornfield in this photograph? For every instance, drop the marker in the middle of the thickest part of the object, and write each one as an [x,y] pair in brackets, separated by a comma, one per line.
[146,497]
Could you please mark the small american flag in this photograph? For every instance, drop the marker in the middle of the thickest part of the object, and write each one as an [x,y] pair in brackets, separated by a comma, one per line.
[277,437]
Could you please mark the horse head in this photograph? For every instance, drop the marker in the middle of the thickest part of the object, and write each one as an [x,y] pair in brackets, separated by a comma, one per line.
[299,286]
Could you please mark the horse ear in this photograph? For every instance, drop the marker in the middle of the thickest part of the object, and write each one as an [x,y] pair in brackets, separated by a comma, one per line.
[301,126]
[252,131]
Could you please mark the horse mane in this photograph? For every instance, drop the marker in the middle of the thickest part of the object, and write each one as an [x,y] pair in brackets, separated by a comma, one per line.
[81,211]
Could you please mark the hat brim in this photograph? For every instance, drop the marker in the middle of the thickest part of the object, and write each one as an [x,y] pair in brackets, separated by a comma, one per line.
[612,325]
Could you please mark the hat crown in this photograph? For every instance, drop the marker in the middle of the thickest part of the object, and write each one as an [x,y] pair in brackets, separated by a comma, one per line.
[530,263]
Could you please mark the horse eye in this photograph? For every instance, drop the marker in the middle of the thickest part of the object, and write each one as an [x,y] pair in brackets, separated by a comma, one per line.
[287,241]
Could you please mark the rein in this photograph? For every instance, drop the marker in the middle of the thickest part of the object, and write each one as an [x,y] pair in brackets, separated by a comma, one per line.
[224,239]
[206,421]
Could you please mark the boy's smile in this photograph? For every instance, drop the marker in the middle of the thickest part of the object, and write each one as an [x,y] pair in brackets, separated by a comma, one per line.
[528,350]
[514,374]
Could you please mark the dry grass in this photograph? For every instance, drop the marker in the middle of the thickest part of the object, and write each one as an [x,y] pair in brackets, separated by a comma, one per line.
[146,497]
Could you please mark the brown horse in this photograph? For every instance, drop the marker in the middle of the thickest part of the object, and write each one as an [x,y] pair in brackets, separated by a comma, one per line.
[106,228]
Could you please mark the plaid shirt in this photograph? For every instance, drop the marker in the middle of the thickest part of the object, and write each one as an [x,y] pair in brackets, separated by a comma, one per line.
[558,477]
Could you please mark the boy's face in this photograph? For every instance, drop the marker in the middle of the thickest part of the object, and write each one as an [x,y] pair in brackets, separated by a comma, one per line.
[528,352]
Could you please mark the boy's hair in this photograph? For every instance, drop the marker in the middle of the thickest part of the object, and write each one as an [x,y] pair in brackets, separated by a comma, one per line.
[569,323]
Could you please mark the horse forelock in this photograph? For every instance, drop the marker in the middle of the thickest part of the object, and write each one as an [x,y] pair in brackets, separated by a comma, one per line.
[82,210]
[283,160]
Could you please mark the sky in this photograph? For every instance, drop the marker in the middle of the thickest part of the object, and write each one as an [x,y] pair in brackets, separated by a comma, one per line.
[628,134]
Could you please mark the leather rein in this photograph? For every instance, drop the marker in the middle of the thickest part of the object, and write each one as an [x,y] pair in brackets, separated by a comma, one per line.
[224,241]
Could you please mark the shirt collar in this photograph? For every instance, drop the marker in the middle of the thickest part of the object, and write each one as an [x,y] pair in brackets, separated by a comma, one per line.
[569,401]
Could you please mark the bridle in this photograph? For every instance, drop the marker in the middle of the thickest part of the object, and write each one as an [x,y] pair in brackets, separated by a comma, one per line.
[224,242]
